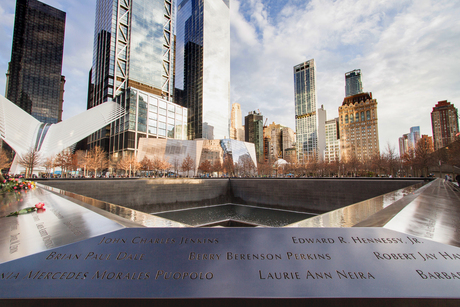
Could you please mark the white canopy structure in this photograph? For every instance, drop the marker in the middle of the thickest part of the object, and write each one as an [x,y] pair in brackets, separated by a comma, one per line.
[24,133]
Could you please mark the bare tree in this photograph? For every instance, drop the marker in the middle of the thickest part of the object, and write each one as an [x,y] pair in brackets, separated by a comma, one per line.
[391,160]
[129,164]
[164,166]
[454,153]
[217,167]
[65,160]
[264,169]
[187,165]
[247,165]
[205,166]
[96,159]
[146,164]
[176,166]
[49,165]
[353,164]
[423,157]
[29,161]
[228,165]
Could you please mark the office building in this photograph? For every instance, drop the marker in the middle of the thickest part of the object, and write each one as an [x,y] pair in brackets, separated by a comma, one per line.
[202,76]
[273,133]
[322,118]
[408,142]
[444,122]
[332,152]
[305,111]
[133,64]
[254,132]
[427,142]
[288,141]
[34,80]
[414,136]
[279,140]
[358,127]
[404,145]
[236,126]
[353,83]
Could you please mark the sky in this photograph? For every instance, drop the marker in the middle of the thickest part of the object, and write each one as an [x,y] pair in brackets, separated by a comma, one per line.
[408,53]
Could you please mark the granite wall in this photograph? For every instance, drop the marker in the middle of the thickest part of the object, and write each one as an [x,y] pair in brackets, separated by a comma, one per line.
[305,195]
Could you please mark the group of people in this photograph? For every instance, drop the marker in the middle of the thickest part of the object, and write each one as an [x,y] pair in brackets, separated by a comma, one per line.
[457,178]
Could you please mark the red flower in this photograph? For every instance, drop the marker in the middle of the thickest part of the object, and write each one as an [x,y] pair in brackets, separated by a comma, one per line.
[41,210]
[39,205]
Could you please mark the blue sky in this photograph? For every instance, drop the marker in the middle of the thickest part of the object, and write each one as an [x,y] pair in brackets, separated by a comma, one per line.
[407,52]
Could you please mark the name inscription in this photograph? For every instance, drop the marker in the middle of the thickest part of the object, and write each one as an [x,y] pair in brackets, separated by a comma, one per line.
[248,260]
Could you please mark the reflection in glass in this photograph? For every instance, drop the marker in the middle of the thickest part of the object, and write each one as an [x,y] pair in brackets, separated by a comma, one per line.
[203,67]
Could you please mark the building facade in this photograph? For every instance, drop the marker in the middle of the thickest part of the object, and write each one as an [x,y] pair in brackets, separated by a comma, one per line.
[288,141]
[403,145]
[273,133]
[149,117]
[332,152]
[254,132]
[358,127]
[427,142]
[133,54]
[175,151]
[444,123]
[236,126]
[305,110]
[34,80]
[353,84]
[408,142]
[202,75]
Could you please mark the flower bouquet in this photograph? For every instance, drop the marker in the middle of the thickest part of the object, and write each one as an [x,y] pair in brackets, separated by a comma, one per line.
[13,185]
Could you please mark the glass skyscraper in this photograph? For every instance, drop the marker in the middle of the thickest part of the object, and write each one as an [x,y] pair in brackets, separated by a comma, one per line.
[202,78]
[306,116]
[34,80]
[133,63]
[353,83]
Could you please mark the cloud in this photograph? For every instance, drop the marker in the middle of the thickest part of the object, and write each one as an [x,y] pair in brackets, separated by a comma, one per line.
[406,51]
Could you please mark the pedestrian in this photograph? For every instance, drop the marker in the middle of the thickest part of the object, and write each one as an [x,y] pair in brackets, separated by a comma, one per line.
[458,179]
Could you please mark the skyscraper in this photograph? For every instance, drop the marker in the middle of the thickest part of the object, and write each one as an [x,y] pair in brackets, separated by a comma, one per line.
[133,57]
[332,152]
[305,110]
[203,65]
[408,142]
[353,83]
[358,125]
[34,75]
[404,145]
[254,132]
[444,122]
[414,136]
[236,126]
